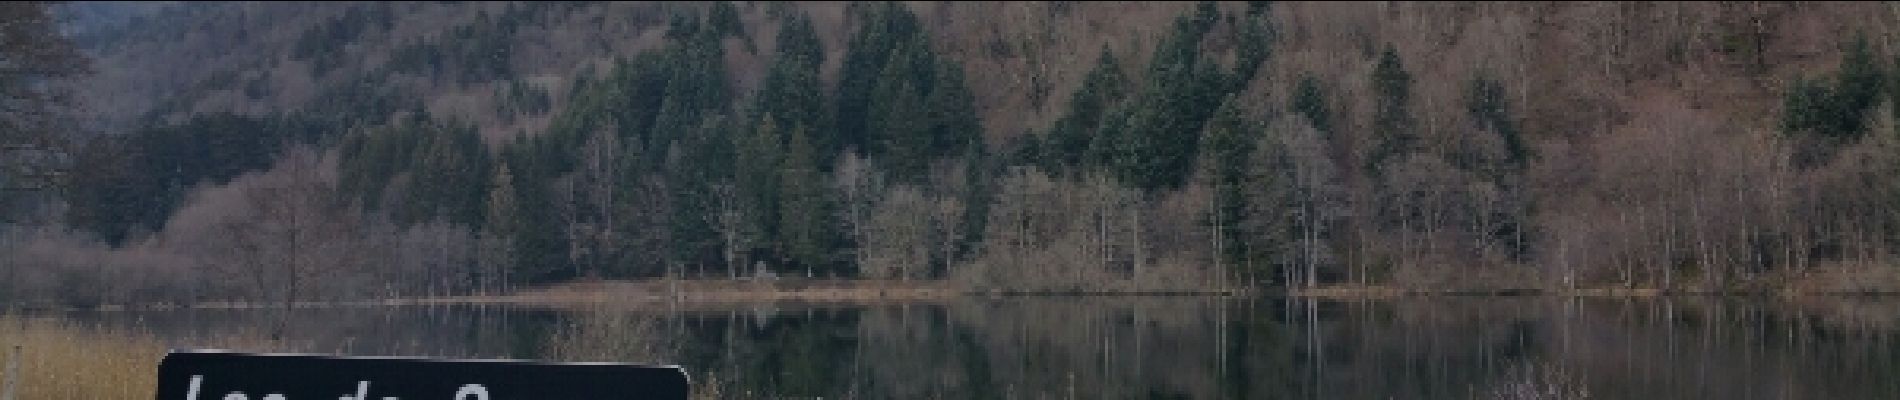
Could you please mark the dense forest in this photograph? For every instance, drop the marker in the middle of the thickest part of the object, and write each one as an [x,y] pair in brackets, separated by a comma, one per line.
[366,150]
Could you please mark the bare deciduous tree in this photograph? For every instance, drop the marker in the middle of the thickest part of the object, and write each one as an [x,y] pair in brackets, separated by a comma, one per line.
[728,218]
[289,230]
[897,243]
[497,241]
[860,191]
[595,230]
[1313,202]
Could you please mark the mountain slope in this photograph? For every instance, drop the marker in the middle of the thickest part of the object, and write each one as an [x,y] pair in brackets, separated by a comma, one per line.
[1123,145]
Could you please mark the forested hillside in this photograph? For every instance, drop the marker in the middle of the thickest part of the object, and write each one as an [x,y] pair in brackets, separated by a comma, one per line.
[336,150]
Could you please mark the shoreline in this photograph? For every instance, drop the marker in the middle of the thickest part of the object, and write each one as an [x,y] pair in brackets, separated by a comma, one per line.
[697,293]
[1355,292]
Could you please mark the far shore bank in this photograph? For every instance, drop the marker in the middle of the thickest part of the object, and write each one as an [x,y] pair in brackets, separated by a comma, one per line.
[717,293]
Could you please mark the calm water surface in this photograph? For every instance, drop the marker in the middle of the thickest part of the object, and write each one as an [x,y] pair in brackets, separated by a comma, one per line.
[1176,347]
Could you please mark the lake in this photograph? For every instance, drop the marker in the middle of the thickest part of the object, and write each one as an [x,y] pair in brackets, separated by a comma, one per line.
[1158,347]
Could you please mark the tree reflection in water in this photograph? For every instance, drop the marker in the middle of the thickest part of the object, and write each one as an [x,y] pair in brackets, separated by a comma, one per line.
[1163,347]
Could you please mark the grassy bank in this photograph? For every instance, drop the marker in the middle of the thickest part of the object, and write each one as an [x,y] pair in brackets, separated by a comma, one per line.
[59,361]
[1822,281]
[723,292]
[720,291]
[1380,292]
[717,293]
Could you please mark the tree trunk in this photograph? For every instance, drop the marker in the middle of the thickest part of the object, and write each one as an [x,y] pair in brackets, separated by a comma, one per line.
[1140,248]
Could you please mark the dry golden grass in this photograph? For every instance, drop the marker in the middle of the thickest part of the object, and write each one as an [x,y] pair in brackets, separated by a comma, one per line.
[59,361]
[714,292]
[614,331]
[1840,279]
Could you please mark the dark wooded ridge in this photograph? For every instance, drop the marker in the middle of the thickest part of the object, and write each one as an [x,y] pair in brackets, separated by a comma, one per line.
[353,150]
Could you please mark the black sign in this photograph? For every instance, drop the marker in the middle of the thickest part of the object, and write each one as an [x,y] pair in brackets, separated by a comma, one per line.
[217,375]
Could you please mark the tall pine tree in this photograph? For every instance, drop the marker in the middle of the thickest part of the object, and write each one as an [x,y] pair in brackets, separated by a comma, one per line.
[883,28]
[756,161]
[1392,125]
[900,127]
[1228,148]
[1157,145]
[1069,140]
[951,112]
[792,92]
[806,223]
[1308,101]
